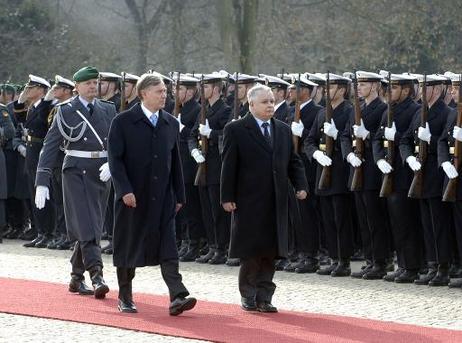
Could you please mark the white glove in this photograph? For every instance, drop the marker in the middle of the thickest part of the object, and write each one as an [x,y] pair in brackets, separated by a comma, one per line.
[50,94]
[384,166]
[42,194]
[424,133]
[181,127]
[330,129]
[105,174]
[354,160]
[450,170]
[205,130]
[22,97]
[197,155]
[390,132]
[360,131]
[413,163]
[22,150]
[457,133]
[322,158]
[297,128]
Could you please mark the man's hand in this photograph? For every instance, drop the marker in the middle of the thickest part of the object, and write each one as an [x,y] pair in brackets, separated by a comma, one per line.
[457,133]
[424,133]
[450,170]
[50,94]
[178,207]
[360,131]
[413,163]
[23,96]
[322,158]
[390,132]
[301,195]
[330,129]
[229,206]
[197,155]
[22,150]
[105,174]
[129,200]
[297,128]
[384,166]
[354,160]
[42,194]
[205,130]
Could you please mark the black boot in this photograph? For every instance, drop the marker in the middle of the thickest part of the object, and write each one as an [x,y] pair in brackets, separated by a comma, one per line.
[431,273]
[328,270]
[455,283]
[442,276]
[77,285]
[16,233]
[205,258]
[377,272]
[219,257]
[362,272]
[308,265]
[392,276]
[124,278]
[233,262]
[343,269]
[32,243]
[409,276]
[192,252]
[99,285]
[108,250]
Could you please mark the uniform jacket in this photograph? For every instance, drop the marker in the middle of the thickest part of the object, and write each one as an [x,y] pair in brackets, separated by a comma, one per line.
[6,133]
[189,114]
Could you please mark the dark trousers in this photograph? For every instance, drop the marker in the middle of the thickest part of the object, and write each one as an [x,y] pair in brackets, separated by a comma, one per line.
[457,216]
[436,218]
[16,213]
[256,278]
[216,221]
[307,235]
[373,224]
[60,222]
[86,256]
[2,216]
[124,279]
[336,214]
[192,212]
[405,227]
[109,218]
[43,219]
[295,221]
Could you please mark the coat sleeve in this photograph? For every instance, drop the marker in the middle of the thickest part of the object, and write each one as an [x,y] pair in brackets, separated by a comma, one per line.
[193,140]
[7,130]
[377,140]
[407,141]
[311,143]
[445,139]
[296,170]
[224,119]
[346,134]
[116,153]
[177,171]
[229,170]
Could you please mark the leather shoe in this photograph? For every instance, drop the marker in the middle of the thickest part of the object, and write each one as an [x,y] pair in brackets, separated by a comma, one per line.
[342,269]
[66,245]
[376,273]
[392,276]
[455,271]
[328,270]
[127,306]
[205,258]
[43,243]
[364,270]
[424,280]
[441,278]
[192,252]
[281,264]
[266,307]
[233,262]
[248,304]
[32,243]
[455,283]
[99,285]
[79,286]
[308,265]
[179,305]
[107,249]
[409,276]
[218,258]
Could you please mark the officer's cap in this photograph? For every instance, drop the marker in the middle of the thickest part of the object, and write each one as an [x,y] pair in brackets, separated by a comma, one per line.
[131,78]
[243,78]
[274,82]
[62,82]
[35,81]
[366,76]
[106,76]
[185,79]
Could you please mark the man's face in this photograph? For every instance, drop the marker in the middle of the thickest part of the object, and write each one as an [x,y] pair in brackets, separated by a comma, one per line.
[87,89]
[60,92]
[129,89]
[242,91]
[396,92]
[262,106]
[455,93]
[208,90]
[155,96]
[34,92]
[182,93]
[292,94]
[107,87]
[335,92]
[364,89]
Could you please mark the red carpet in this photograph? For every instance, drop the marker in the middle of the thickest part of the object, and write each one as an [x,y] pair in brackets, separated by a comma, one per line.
[208,321]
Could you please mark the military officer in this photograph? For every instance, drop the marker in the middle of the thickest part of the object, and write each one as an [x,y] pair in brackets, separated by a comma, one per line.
[83,124]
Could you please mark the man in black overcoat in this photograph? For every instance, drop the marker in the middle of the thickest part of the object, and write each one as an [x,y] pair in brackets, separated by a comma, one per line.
[258,161]
[145,165]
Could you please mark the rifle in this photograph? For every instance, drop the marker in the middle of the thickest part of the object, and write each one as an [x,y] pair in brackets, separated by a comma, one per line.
[295,138]
[449,194]
[200,179]
[123,105]
[325,179]
[387,181]
[176,109]
[357,180]
[237,108]
[416,189]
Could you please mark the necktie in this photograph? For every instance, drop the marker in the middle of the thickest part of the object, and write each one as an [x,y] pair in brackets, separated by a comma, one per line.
[90,108]
[266,133]
[153,120]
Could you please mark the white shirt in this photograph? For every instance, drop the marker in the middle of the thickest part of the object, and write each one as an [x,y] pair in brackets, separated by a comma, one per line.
[148,113]
[85,102]
[260,122]
[37,103]
[278,105]
[304,104]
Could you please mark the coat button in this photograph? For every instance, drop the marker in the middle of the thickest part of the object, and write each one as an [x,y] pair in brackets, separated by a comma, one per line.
[84,171]
[155,156]
[85,138]
[155,177]
[154,199]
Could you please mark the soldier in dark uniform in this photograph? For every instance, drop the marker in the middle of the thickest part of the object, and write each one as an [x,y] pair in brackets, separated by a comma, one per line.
[307,235]
[6,133]
[216,220]
[403,212]
[435,213]
[335,200]
[110,88]
[191,212]
[83,124]
[35,120]
[243,84]
[131,99]
[279,88]
[371,209]
[62,91]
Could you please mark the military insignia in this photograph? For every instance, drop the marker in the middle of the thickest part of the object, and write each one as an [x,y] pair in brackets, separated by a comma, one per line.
[5,113]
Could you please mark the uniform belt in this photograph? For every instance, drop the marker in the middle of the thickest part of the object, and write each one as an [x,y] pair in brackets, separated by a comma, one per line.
[86,154]
[32,139]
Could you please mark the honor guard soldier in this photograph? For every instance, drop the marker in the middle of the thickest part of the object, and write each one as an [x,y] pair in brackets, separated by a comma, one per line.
[435,214]
[371,209]
[83,125]
[61,91]
[334,195]
[318,96]
[403,212]
[279,88]
[131,98]
[110,86]
[7,132]
[34,120]
[216,220]
[243,83]
[452,103]
[191,213]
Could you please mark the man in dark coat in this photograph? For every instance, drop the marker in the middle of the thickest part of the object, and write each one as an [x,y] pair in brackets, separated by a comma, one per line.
[149,189]
[83,124]
[258,161]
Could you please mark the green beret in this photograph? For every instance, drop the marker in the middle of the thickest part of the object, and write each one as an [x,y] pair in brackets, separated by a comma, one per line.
[85,74]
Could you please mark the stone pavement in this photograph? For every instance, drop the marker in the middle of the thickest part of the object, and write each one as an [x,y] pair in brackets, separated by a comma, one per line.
[419,305]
